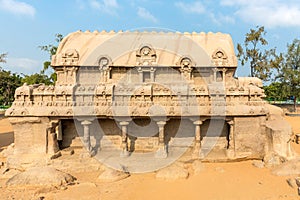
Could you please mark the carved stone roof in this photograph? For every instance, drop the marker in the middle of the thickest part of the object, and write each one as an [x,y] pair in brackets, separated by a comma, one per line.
[158,48]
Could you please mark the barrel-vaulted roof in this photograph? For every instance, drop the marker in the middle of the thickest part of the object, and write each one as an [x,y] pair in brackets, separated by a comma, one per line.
[124,48]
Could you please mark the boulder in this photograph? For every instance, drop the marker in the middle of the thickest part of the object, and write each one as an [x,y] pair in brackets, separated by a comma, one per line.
[279,133]
[112,175]
[173,172]
[258,163]
[272,160]
[40,176]
[289,168]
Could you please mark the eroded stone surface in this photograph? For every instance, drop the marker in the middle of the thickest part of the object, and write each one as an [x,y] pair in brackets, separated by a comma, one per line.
[197,167]
[41,176]
[288,168]
[173,172]
[150,94]
[112,175]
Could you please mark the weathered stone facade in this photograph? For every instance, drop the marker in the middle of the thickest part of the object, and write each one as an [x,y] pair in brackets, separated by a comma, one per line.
[139,92]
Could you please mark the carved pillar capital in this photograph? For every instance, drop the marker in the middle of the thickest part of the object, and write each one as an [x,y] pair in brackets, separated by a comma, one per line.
[198,122]
[124,123]
[161,124]
[86,123]
[230,122]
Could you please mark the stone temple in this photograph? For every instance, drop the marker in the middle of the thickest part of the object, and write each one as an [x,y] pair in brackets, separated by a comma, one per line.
[147,92]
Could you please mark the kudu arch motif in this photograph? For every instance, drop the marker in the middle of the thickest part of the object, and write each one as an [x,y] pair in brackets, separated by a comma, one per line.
[148,93]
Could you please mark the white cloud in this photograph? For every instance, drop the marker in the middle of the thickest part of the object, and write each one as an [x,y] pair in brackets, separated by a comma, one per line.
[80,4]
[145,14]
[195,7]
[23,65]
[220,19]
[17,7]
[270,13]
[106,6]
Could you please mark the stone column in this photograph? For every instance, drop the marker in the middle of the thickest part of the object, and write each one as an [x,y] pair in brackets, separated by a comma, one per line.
[231,144]
[141,75]
[124,144]
[162,150]
[215,74]
[152,74]
[224,74]
[52,146]
[86,134]
[197,144]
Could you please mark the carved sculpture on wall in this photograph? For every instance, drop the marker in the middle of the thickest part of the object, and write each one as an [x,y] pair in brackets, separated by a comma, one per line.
[104,67]
[186,67]
[70,58]
[146,56]
[220,58]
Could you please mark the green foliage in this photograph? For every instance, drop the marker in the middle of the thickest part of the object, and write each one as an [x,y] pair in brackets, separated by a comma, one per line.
[3,57]
[8,84]
[274,92]
[261,61]
[10,81]
[289,71]
[51,49]
[37,78]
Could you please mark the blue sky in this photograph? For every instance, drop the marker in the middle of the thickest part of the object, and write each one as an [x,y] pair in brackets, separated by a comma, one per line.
[27,24]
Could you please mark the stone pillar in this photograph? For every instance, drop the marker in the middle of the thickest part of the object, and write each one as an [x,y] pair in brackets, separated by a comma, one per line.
[162,150]
[52,143]
[124,144]
[215,74]
[197,145]
[52,146]
[224,75]
[231,144]
[86,134]
[152,74]
[141,75]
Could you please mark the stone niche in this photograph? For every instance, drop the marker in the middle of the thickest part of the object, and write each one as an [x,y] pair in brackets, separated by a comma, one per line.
[156,92]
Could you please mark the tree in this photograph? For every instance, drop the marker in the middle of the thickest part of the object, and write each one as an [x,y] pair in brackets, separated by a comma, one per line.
[37,78]
[8,84]
[289,71]
[252,52]
[3,57]
[274,92]
[51,49]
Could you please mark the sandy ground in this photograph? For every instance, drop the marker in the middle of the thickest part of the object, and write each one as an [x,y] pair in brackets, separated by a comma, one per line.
[234,181]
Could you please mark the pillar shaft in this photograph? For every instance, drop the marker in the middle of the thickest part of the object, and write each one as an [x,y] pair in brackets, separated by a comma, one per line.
[231,143]
[162,151]
[124,144]
[86,134]
[52,144]
[197,145]
[52,141]
[231,136]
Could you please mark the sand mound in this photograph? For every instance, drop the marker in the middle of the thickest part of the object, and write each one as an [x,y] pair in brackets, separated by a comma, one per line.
[41,176]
